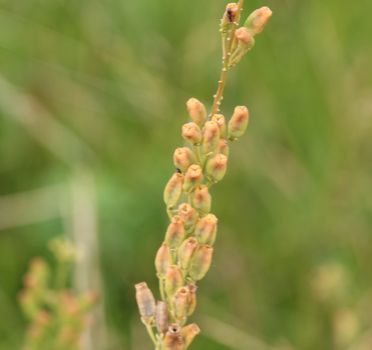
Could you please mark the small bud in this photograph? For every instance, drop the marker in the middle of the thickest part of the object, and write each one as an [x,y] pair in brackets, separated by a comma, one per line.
[193,176]
[258,19]
[244,35]
[206,229]
[220,120]
[197,111]
[189,332]
[173,280]
[211,137]
[183,158]
[175,232]
[173,189]
[163,260]
[188,214]
[145,302]
[230,16]
[245,43]
[173,339]
[161,317]
[186,250]
[216,167]
[223,148]
[238,122]
[180,303]
[201,199]
[200,262]
[192,298]
[191,132]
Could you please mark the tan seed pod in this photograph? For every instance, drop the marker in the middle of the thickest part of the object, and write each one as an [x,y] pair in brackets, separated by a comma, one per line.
[145,301]
[238,122]
[220,120]
[189,332]
[183,157]
[206,229]
[258,19]
[216,167]
[197,111]
[223,148]
[200,262]
[192,133]
[161,317]
[192,298]
[173,339]
[188,214]
[175,233]
[186,250]
[180,303]
[163,260]
[173,280]
[211,137]
[173,189]
[201,199]
[193,176]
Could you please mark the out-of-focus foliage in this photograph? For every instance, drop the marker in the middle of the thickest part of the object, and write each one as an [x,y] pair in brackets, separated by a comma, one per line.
[109,79]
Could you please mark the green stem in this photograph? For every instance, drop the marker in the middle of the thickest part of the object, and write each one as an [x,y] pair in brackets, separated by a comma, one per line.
[150,331]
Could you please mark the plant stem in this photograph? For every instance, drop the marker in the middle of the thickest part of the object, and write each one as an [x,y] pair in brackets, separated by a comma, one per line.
[227,46]
[151,334]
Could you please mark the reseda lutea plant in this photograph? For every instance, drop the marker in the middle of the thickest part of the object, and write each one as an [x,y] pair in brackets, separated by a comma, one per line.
[186,253]
[57,316]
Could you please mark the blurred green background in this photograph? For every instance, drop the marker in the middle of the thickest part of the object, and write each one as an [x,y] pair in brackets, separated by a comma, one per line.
[92,100]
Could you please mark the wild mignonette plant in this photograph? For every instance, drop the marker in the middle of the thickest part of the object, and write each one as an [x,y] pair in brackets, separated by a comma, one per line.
[185,256]
[57,316]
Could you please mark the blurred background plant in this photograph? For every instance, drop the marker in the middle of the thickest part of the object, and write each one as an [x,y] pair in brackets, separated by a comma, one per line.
[58,317]
[91,99]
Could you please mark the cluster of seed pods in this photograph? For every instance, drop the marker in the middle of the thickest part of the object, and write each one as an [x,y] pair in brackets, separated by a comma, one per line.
[185,256]
[57,317]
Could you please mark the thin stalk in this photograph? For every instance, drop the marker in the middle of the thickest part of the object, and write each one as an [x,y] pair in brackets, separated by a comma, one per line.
[227,48]
[150,331]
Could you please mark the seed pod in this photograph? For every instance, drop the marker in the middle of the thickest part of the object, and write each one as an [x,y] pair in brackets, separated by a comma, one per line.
[173,280]
[173,339]
[180,303]
[173,189]
[193,176]
[186,250]
[258,19]
[223,148]
[161,317]
[163,260]
[192,298]
[189,332]
[220,120]
[145,302]
[183,158]
[238,122]
[201,199]
[188,214]
[216,167]
[175,232]
[206,229]
[200,262]
[191,132]
[197,111]
[211,137]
